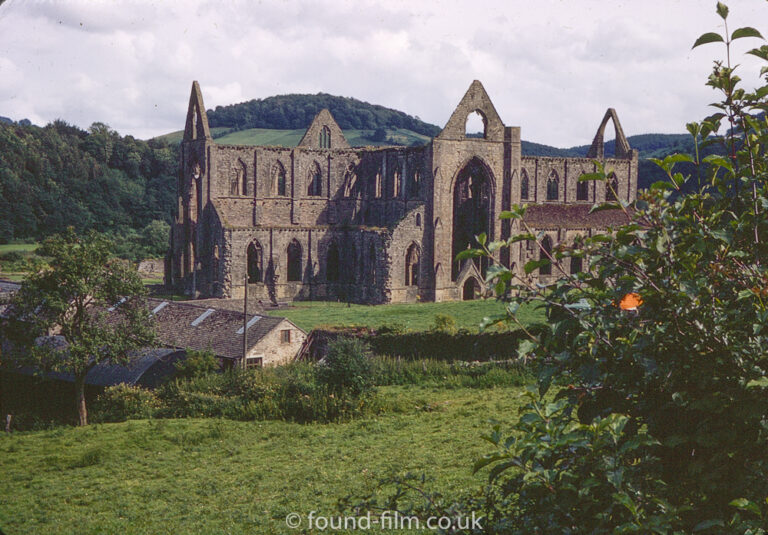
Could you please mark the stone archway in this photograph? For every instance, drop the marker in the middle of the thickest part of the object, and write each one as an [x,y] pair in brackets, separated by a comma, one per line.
[472,211]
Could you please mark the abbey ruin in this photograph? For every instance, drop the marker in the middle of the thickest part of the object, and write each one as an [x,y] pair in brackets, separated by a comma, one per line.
[323,220]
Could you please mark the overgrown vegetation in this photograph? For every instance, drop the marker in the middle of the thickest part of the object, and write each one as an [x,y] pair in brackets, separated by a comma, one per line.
[59,176]
[662,425]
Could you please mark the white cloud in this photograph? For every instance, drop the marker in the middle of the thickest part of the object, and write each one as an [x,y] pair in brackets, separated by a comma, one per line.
[551,66]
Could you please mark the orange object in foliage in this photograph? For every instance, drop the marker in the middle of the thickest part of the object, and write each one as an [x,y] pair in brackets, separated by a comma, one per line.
[630,301]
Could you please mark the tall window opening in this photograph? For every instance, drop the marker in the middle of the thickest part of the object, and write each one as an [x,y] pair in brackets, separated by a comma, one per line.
[332,263]
[472,211]
[544,254]
[325,138]
[412,265]
[553,186]
[255,263]
[582,191]
[279,180]
[524,185]
[575,265]
[612,188]
[294,261]
[315,188]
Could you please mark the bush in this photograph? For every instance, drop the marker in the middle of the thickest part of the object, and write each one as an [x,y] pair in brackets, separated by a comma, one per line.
[445,323]
[662,425]
[196,364]
[346,370]
[123,402]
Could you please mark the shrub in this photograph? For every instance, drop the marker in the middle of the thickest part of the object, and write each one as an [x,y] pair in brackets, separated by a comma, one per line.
[445,323]
[123,402]
[662,428]
[197,364]
[346,370]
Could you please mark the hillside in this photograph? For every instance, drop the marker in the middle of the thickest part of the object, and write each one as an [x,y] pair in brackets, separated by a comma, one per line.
[291,112]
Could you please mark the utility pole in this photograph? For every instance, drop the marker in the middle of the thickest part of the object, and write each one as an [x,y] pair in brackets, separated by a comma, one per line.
[245,321]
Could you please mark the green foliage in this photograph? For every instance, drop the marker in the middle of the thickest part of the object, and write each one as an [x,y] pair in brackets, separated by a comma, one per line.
[196,364]
[72,297]
[346,370]
[123,402]
[661,427]
[297,111]
[682,368]
[235,477]
[60,175]
[445,323]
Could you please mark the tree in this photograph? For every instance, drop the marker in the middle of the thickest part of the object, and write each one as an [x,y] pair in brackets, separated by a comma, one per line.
[90,300]
[657,422]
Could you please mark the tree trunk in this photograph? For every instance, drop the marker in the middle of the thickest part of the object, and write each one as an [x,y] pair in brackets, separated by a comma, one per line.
[82,412]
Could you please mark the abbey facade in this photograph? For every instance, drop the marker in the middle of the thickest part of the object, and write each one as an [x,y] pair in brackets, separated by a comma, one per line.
[323,220]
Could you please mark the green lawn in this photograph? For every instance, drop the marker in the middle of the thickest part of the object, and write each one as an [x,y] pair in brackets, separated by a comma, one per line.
[220,476]
[291,138]
[415,316]
[18,247]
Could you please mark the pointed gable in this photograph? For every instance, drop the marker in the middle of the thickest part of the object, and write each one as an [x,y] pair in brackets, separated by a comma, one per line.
[474,100]
[324,133]
[197,119]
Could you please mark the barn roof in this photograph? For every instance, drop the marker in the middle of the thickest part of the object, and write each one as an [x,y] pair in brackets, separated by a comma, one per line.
[147,368]
[189,326]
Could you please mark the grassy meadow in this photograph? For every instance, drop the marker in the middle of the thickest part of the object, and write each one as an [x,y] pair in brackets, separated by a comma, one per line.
[290,138]
[413,316]
[203,476]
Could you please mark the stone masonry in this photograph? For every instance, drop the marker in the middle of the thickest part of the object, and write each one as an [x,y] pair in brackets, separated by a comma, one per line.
[325,221]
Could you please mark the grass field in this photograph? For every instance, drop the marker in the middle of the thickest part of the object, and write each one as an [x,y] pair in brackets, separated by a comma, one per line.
[219,476]
[414,316]
[291,138]
[18,247]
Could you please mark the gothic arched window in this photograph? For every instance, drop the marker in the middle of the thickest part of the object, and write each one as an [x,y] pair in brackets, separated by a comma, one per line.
[294,261]
[279,180]
[255,263]
[332,263]
[412,265]
[315,179]
[544,254]
[553,186]
[524,185]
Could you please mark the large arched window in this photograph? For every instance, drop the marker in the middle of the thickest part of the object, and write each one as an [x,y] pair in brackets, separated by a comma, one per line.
[472,211]
[332,262]
[553,186]
[255,263]
[279,180]
[612,188]
[524,185]
[544,254]
[315,180]
[325,138]
[294,261]
[412,265]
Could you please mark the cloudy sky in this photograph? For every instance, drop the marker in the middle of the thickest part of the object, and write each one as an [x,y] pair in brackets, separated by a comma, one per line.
[550,66]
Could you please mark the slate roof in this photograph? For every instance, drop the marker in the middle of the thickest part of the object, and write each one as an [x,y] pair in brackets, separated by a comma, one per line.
[574,216]
[185,325]
[148,369]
